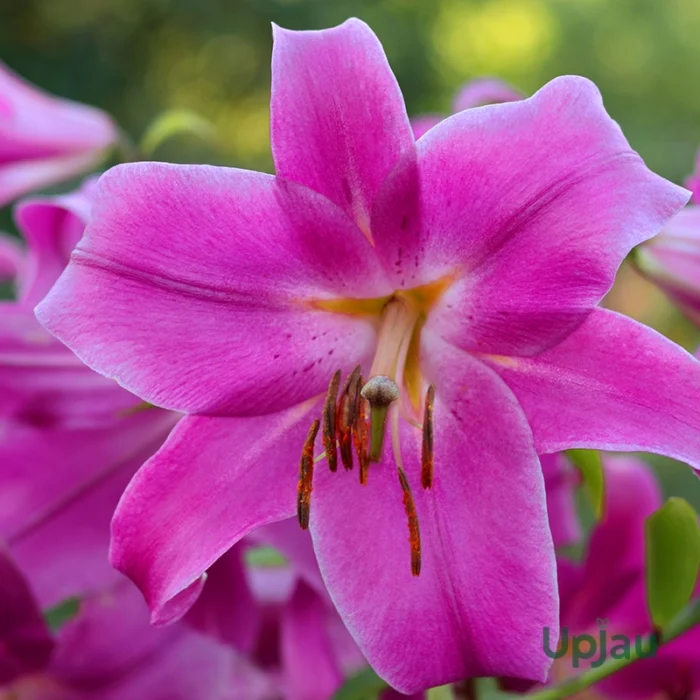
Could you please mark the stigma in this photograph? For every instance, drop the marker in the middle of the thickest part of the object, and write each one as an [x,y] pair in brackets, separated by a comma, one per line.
[355,418]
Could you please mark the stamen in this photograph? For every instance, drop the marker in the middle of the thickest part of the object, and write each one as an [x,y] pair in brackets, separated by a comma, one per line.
[345,417]
[361,436]
[306,474]
[380,392]
[427,457]
[329,409]
[413,528]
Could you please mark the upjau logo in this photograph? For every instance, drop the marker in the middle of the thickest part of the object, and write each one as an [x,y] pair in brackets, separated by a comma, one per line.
[586,647]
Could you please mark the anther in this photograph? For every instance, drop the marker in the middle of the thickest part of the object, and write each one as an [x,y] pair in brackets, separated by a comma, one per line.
[413,528]
[380,392]
[329,422]
[427,457]
[306,475]
[361,436]
[345,416]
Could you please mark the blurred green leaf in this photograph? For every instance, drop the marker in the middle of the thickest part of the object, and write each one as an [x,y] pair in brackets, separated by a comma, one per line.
[62,613]
[174,123]
[673,559]
[264,557]
[366,685]
[443,692]
[588,462]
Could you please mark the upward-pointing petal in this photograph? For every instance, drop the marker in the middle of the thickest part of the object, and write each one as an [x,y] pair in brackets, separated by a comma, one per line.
[339,123]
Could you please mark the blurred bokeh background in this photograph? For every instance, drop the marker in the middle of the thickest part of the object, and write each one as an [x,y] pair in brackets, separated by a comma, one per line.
[138,58]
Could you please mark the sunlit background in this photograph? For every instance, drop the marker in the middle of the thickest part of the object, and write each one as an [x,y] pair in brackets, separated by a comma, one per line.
[137,58]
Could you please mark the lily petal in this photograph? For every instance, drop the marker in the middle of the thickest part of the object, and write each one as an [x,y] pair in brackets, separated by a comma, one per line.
[25,641]
[613,384]
[62,486]
[51,227]
[614,562]
[233,474]
[310,669]
[560,480]
[463,615]
[339,122]
[672,261]
[529,207]
[226,609]
[183,265]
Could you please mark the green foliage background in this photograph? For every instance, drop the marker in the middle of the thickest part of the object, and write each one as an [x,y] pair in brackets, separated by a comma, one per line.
[137,58]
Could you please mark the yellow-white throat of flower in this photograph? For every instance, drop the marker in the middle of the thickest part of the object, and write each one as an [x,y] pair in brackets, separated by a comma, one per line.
[356,415]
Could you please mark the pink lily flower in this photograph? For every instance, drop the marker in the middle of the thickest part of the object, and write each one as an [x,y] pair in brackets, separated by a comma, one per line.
[45,140]
[281,617]
[475,93]
[672,261]
[287,627]
[461,273]
[607,592]
[110,652]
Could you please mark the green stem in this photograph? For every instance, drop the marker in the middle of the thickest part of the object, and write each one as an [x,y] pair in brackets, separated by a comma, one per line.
[687,619]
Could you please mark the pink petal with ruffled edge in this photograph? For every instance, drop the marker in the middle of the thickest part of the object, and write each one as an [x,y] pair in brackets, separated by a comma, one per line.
[338,119]
[530,207]
[613,384]
[192,288]
[463,616]
[214,481]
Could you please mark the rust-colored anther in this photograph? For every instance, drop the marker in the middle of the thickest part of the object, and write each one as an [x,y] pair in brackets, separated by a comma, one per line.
[345,417]
[427,456]
[306,475]
[329,422]
[413,528]
[361,436]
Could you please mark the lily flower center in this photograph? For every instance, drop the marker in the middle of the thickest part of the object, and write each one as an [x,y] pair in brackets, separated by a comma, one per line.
[357,415]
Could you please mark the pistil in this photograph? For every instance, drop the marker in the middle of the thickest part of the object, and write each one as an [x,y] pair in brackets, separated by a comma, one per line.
[380,392]
[357,415]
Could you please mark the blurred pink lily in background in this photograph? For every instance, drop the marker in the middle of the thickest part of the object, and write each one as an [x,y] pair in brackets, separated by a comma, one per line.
[71,439]
[110,652]
[279,616]
[672,259]
[45,140]
[465,269]
[610,585]
[475,93]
